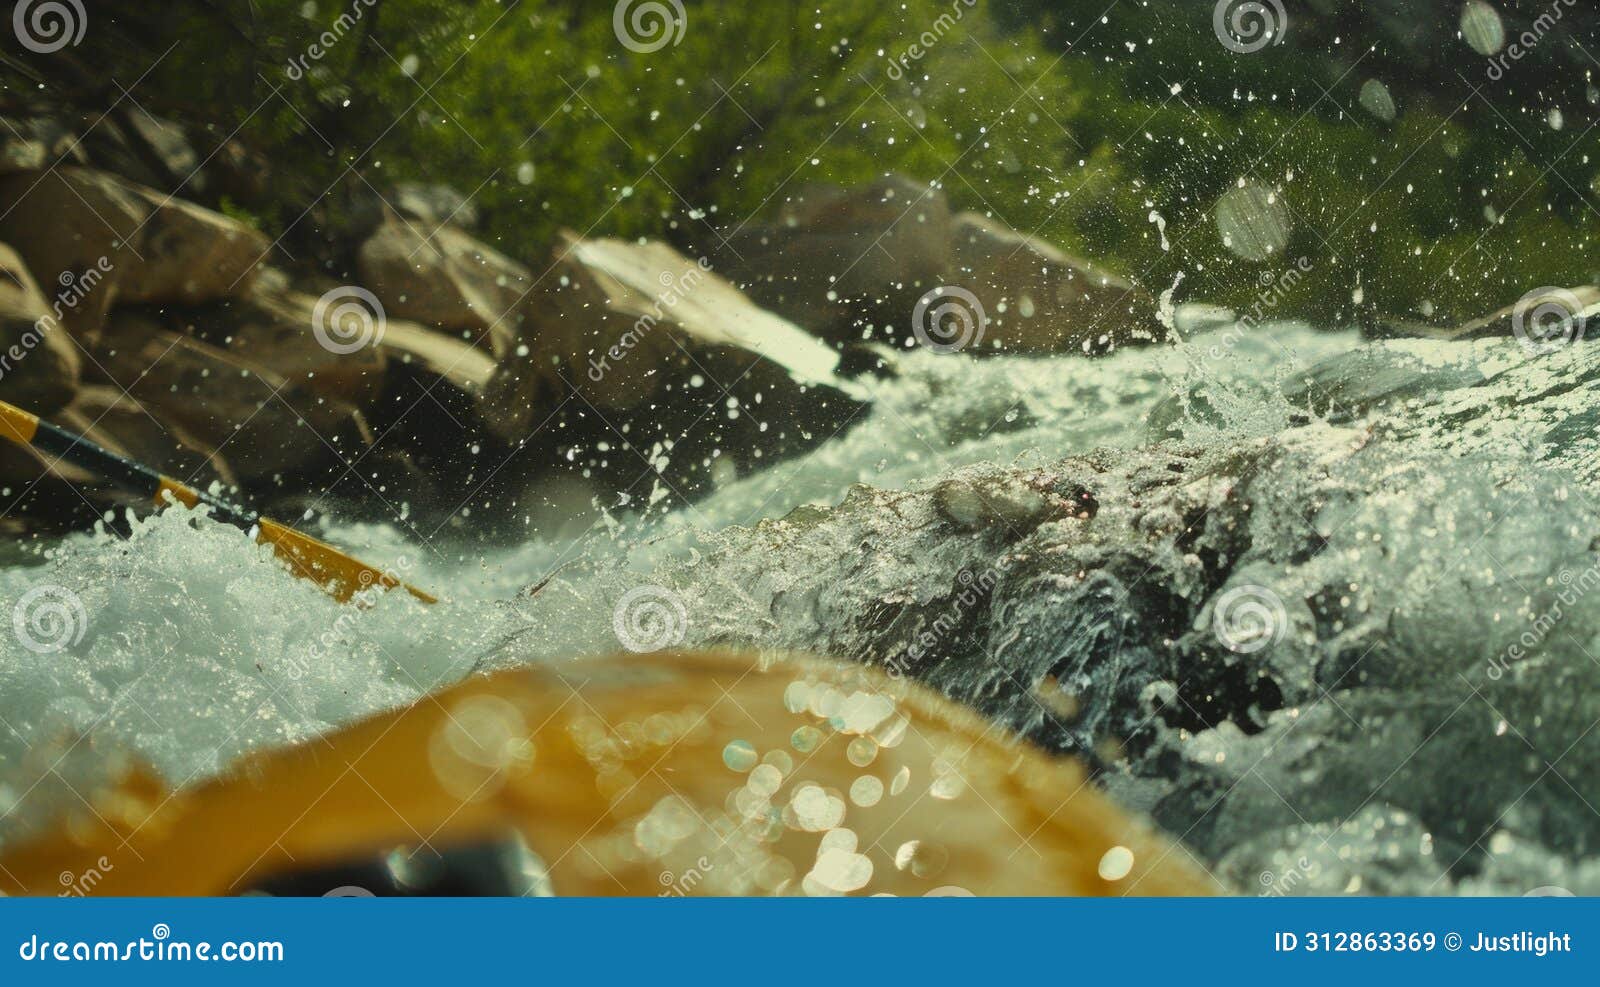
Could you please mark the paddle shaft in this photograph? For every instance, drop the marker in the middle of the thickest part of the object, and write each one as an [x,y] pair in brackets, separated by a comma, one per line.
[340,574]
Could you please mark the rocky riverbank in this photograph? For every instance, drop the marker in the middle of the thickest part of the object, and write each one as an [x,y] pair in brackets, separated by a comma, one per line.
[421,377]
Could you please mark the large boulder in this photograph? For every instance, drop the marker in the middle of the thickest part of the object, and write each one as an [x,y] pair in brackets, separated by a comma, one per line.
[662,356]
[110,241]
[39,364]
[278,437]
[419,391]
[439,276]
[888,261]
[1038,299]
[835,259]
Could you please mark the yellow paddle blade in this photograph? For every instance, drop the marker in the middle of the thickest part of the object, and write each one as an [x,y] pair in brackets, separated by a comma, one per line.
[343,576]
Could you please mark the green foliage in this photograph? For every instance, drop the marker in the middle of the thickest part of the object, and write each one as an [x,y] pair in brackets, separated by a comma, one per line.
[538,111]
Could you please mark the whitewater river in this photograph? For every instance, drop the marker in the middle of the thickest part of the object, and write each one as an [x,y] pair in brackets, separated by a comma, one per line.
[185,647]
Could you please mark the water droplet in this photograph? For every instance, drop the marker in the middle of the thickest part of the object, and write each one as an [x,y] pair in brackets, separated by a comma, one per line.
[1482,28]
[841,871]
[739,755]
[805,739]
[920,858]
[902,778]
[866,791]
[862,751]
[1116,864]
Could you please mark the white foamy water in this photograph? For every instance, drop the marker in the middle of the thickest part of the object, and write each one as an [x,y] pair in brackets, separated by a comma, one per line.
[186,645]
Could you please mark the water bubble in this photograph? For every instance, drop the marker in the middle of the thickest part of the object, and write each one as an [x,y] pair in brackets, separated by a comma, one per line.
[1253,221]
[1375,99]
[901,779]
[919,858]
[838,839]
[1482,28]
[866,791]
[805,739]
[842,871]
[1116,864]
[765,780]
[739,755]
[816,809]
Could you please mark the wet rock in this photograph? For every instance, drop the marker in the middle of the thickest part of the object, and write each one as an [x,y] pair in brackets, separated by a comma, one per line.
[435,204]
[834,259]
[278,437]
[1038,299]
[275,326]
[1541,320]
[419,389]
[874,261]
[975,504]
[1067,581]
[651,361]
[112,241]
[1326,627]
[39,364]
[1370,378]
[439,276]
